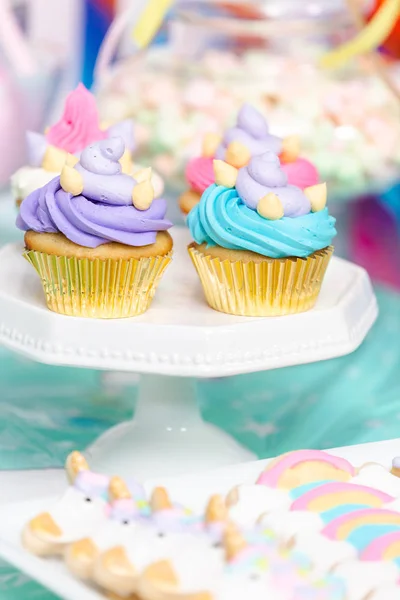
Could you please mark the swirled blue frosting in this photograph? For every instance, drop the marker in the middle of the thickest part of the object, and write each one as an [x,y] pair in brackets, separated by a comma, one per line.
[222,219]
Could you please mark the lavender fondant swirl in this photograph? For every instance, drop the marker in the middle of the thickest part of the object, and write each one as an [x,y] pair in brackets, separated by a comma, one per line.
[252,131]
[103,212]
[264,175]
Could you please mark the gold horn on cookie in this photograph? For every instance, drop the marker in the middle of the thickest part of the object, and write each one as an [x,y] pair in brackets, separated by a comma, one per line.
[290,149]
[234,542]
[54,159]
[118,490]
[237,155]
[270,207]
[160,500]
[74,464]
[143,195]
[211,141]
[71,181]
[216,511]
[317,195]
[225,174]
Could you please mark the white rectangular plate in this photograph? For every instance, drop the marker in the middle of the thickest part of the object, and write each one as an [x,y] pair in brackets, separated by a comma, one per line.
[193,490]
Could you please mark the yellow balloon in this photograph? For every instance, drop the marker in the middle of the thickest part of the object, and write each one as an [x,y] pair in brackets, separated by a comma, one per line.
[372,36]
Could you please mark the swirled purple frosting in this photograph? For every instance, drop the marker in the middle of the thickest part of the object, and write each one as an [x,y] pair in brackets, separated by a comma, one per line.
[264,175]
[103,213]
[252,131]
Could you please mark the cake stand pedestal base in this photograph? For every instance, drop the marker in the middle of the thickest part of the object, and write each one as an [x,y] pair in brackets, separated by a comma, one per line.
[167,436]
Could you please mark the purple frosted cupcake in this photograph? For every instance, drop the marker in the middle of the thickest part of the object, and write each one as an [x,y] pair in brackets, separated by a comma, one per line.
[96,236]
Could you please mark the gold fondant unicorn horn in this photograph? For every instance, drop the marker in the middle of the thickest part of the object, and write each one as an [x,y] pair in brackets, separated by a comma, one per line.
[270,207]
[143,195]
[317,195]
[118,490]
[211,141]
[237,155]
[225,174]
[290,149]
[160,500]
[234,542]
[216,511]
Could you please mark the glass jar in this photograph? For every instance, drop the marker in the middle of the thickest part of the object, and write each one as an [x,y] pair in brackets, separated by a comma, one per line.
[219,54]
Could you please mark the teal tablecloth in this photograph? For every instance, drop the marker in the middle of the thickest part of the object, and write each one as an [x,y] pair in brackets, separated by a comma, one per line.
[47,411]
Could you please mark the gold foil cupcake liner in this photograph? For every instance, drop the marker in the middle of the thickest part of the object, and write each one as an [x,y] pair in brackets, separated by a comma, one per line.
[101,289]
[272,287]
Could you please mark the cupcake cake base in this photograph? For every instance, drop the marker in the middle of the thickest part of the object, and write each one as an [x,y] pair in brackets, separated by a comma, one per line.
[108,282]
[248,284]
[188,200]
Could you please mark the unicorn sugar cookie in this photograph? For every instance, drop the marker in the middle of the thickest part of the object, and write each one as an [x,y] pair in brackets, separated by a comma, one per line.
[170,530]
[128,509]
[254,567]
[81,510]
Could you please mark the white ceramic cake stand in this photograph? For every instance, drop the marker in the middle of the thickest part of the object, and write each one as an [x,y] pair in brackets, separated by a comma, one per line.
[178,339]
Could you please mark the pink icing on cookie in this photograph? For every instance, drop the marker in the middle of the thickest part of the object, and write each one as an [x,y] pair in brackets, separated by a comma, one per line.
[79,124]
[301,173]
[272,474]
[382,548]
[200,173]
[337,493]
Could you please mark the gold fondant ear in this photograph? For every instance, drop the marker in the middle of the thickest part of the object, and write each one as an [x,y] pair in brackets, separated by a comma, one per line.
[71,181]
[71,160]
[270,207]
[161,573]
[237,155]
[143,175]
[211,141]
[126,163]
[225,174]
[143,195]
[54,159]
[290,149]
[317,195]
[44,524]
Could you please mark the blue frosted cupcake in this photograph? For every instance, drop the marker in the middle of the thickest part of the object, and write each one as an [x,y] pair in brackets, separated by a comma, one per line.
[261,246]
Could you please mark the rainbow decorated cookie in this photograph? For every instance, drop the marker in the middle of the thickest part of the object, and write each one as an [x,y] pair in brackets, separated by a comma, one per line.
[315,508]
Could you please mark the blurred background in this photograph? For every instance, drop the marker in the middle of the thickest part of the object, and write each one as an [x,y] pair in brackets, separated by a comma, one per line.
[198,62]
